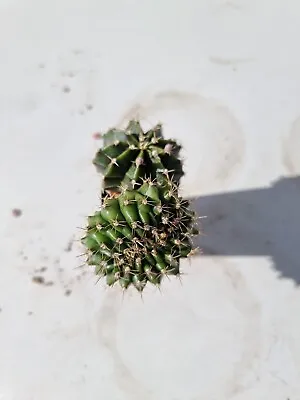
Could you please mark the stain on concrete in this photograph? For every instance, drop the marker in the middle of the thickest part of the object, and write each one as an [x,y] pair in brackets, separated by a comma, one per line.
[69,246]
[66,89]
[229,61]
[40,280]
[42,269]
[107,328]
[16,212]
[250,309]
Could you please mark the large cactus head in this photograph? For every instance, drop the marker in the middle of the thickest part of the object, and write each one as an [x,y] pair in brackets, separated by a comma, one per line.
[130,155]
[139,236]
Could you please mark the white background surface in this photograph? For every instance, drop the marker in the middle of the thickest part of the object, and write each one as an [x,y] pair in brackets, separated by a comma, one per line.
[223,77]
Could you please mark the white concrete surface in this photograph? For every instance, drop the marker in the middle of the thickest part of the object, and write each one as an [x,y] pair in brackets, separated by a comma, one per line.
[223,76]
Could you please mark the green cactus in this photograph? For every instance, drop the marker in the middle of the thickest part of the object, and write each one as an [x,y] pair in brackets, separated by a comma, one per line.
[131,155]
[139,236]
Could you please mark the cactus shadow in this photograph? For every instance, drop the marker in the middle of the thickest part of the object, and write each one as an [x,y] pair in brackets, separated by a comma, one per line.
[258,222]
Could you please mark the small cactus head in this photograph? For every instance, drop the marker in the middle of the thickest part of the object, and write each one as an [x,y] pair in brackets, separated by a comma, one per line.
[130,155]
[139,236]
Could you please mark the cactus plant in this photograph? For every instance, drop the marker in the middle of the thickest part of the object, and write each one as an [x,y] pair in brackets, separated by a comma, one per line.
[130,155]
[139,236]
[144,227]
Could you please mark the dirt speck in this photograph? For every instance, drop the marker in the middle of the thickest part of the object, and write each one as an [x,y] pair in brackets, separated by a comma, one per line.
[77,52]
[29,313]
[42,269]
[66,89]
[38,279]
[69,246]
[25,258]
[41,281]
[69,74]
[0,309]
[97,135]
[16,212]
[41,65]
[89,107]
[68,292]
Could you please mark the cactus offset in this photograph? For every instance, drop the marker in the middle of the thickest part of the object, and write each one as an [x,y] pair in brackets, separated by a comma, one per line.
[130,155]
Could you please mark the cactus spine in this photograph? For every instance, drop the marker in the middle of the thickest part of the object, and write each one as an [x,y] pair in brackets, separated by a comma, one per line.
[143,226]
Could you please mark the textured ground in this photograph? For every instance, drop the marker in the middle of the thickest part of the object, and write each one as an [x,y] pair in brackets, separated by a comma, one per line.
[223,77]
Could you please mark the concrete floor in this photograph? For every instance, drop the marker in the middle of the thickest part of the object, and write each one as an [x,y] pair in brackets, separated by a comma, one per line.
[223,77]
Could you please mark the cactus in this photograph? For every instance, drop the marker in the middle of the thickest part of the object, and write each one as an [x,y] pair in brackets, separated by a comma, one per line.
[139,236]
[144,227]
[130,155]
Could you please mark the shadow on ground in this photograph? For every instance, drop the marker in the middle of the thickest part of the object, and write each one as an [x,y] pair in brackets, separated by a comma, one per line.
[257,222]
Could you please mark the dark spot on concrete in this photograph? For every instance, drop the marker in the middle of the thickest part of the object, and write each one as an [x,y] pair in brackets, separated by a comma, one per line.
[41,65]
[68,292]
[60,269]
[25,258]
[16,212]
[66,89]
[68,74]
[41,281]
[38,279]
[56,261]
[29,313]
[42,269]
[0,309]
[69,246]
[89,107]
[77,52]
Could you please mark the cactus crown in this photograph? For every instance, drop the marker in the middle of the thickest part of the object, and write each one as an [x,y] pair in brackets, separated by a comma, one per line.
[143,226]
[130,155]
